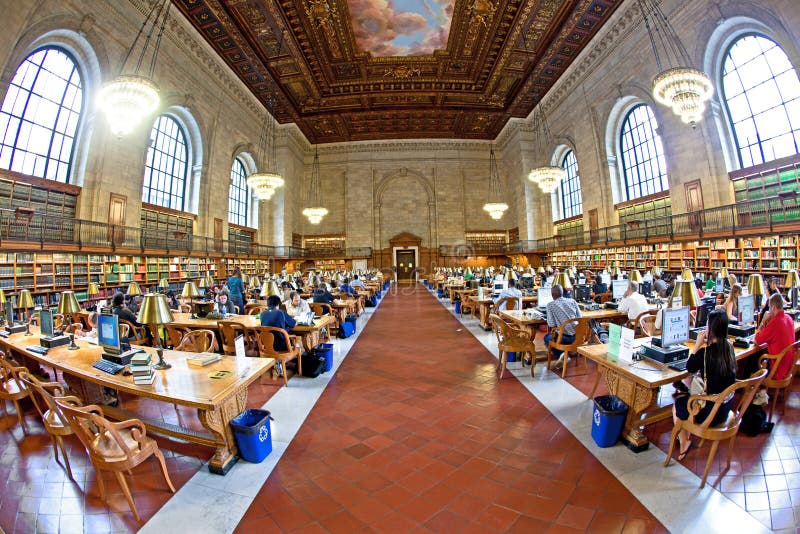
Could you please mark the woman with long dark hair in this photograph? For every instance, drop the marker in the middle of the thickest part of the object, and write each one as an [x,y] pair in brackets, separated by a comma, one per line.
[713,358]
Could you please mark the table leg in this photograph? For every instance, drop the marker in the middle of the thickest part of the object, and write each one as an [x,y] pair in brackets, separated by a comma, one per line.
[217,422]
[638,398]
[310,339]
[485,317]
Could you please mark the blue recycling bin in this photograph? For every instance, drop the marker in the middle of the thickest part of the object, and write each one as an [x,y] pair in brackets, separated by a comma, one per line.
[458,306]
[608,418]
[511,357]
[440,293]
[253,435]
[325,350]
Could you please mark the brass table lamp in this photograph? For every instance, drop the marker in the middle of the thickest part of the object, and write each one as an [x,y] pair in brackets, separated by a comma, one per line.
[686,274]
[635,276]
[757,288]
[92,290]
[190,291]
[563,280]
[155,312]
[67,306]
[792,283]
[25,302]
[134,289]
[686,290]
[3,306]
[203,283]
[723,272]
[163,285]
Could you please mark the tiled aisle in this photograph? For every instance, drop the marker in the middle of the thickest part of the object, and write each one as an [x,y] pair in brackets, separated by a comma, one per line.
[415,431]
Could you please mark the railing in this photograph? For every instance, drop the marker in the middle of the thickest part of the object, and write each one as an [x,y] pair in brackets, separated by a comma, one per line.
[22,226]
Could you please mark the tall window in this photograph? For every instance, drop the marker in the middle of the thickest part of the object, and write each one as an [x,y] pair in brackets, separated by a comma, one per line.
[239,198]
[571,201]
[40,115]
[165,172]
[762,92]
[643,163]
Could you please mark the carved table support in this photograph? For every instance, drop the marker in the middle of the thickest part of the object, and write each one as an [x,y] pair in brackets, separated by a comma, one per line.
[217,422]
[638,398]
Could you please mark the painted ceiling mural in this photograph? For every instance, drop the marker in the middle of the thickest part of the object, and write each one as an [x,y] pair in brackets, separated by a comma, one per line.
[353,70]
[401,27]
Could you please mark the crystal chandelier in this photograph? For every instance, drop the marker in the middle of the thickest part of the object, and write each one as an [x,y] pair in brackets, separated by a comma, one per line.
[264,184]
[314,212]
[678,86]
[130,97]
[547,177]
[496,207]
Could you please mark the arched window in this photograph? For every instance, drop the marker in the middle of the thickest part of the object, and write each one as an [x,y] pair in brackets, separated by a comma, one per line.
[40,115]
[762,93]
[571,201]
[165,171]
[643,165]
[239,198]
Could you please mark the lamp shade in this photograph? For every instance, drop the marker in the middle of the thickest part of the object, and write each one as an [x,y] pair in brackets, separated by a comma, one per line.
[254,281]
[723,273]
[615,271]
[155,310]
[540,270]
[133,289]
[792,280]
[635,276]
[563,280]
[755,285]
[270,288]
[686,274]
[68,303]
[25,301]
[209,280]
[2,297]
[94,289]
[163,283]
[202,282]
[189,290]
[686,290]
[512,275]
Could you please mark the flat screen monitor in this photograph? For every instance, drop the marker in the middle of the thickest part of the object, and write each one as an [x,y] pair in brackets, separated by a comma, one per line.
[498,286]
[543,297]
[108,333]
[46,322]
[747,309]
[674,326]
[719,285]
[618,289]
[583,293]
[793,297]
[9,311]
[605,278]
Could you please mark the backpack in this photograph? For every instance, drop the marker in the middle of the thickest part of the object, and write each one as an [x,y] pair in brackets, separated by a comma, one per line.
[313,366]
[754,421]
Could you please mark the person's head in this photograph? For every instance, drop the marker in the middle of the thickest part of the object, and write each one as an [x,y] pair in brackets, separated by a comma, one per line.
[512,283]
[355,277]
[118,300]
[285,285]
[633,286]
[556,291]
[736,291]
[294,296]
[346,281]
[92,319]
[717,325]
[171,294]
[222,298]
[656,276]
[322,286]
[773,283]
[775,302]
[273,301]
[237,272]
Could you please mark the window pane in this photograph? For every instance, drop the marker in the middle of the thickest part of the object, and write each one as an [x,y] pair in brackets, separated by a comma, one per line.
[239,196]
[165,171]
[571,201]
[763,122]
[40,114]
[643,165]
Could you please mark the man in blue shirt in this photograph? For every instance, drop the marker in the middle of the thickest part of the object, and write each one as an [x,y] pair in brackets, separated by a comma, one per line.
[275,316]
[347,288]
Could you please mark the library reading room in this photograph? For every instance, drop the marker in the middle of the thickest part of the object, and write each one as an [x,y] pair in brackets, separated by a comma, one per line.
[396,266]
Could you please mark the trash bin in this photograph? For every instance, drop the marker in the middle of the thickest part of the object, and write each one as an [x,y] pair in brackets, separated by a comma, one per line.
[458,307]
[511,357]
[608,419]
[325,350]
[251,429]
[440,293]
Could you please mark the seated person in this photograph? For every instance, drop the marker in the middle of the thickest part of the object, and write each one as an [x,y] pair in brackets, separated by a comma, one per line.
[731,305]
[172,300]
[286,290]
[357,283]
[713,356]
[296,306]
[224,304]
[659,286]
[633,303]
[510,292]
[119,309]
[777,331]
[561,309]
[321,294]
[347,288]
[91,320]
[772,289]
[598,288]
[275,316]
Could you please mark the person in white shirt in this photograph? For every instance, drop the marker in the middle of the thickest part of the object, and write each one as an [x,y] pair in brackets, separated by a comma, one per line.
[296,306]
[357,283]
[510,292]
[633,303]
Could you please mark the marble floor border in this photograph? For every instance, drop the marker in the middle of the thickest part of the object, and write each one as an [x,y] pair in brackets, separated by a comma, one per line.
[210,503]
[671,493]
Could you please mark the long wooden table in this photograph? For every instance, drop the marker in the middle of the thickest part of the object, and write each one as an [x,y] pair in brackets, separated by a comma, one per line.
[484,306]
[217,400]
[637,384]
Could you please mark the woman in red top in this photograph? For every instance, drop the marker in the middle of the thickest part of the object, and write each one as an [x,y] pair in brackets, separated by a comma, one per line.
[777,331]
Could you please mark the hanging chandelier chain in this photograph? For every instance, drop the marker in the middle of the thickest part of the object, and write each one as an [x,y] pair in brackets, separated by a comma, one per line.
[314,193]
[674,52]
[495,186]
[156,12]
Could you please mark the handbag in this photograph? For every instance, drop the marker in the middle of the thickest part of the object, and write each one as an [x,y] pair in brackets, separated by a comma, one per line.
[698,385]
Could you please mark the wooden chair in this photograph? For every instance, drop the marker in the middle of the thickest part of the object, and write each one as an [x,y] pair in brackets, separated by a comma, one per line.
[12,388]
[229,331]
[175,334]
[137,335]
[186,308]
[198,341]
[602,298]
[467,304]
[43,395]
[511,303]
[254,309]
[124,331]
[747,389]
[635,323]
[320,309]
[771,362]
[265,337]
[114,447]
[511,339]
[647,324]
[583,335]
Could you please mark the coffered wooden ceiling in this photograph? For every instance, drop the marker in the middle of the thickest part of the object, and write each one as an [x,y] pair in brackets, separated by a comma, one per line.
[301,60]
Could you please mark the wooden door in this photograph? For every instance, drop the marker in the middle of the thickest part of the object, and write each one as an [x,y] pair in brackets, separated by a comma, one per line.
[116,218]
[593,224]
[405,265]
[694,204]
[217,234]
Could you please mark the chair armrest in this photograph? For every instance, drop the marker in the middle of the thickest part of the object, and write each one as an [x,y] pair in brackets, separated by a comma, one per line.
[71,399]
[138,430]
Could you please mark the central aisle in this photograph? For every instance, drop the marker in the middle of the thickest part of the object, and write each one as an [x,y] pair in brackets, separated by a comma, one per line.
[415,430]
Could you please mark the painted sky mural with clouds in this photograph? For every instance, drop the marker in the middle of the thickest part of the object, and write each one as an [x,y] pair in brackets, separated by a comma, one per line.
[401,27]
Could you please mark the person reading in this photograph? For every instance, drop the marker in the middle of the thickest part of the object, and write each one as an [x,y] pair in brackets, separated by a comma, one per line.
[510,292]
[357,283]
[731,305]
[296,305]
[321,294]
[561,309]
[276,317]
[633,303]
[224,305]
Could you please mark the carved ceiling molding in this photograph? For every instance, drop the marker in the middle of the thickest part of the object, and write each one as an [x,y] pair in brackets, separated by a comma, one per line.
[429,145]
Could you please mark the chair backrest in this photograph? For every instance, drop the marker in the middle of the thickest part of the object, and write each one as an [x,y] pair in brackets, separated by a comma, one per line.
[320,308]
[198,341]
[102,441]
[692,317]
[508,338]
[186,308]
[636,322]
[254,309]
[9,374]
[583,333]
[265,337]
[43,395]
[511,303]
[134,333]
[647,324]
[602,298]
[124,330]
[175,334]
[229,331]
[776,362]
[747,387]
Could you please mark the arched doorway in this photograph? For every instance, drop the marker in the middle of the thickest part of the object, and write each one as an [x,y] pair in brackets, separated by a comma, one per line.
[405,256]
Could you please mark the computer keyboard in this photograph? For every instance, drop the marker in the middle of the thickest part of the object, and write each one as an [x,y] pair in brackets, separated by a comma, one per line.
[38,349]
[678,365]
[108,367]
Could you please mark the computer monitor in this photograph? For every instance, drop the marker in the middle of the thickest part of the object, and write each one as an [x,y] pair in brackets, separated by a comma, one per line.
[719,285]
[674,326]
[498,286]
[618,289]
[793,297]
[605,278]
[583,293]
[9,311]
[548,282]
[705,307]
[528,282]
[46,322]
[543,297]
[747,309]
[108,333]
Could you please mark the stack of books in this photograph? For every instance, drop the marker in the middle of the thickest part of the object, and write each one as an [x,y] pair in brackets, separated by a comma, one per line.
[141,369]
[202,359]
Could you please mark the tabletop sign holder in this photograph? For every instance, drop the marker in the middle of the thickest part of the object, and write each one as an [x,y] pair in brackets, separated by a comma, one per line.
[620,342]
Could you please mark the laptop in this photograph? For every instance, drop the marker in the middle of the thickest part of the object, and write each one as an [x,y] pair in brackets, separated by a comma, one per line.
[305,319]
[543,298]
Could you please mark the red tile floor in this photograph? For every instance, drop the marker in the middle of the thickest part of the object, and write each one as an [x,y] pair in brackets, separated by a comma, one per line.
[415,433]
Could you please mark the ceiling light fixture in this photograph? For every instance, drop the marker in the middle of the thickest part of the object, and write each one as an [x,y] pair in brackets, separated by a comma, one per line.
[547,177]
[496,206]
[315,212]
[264,184]
[132,96]
[677,85]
